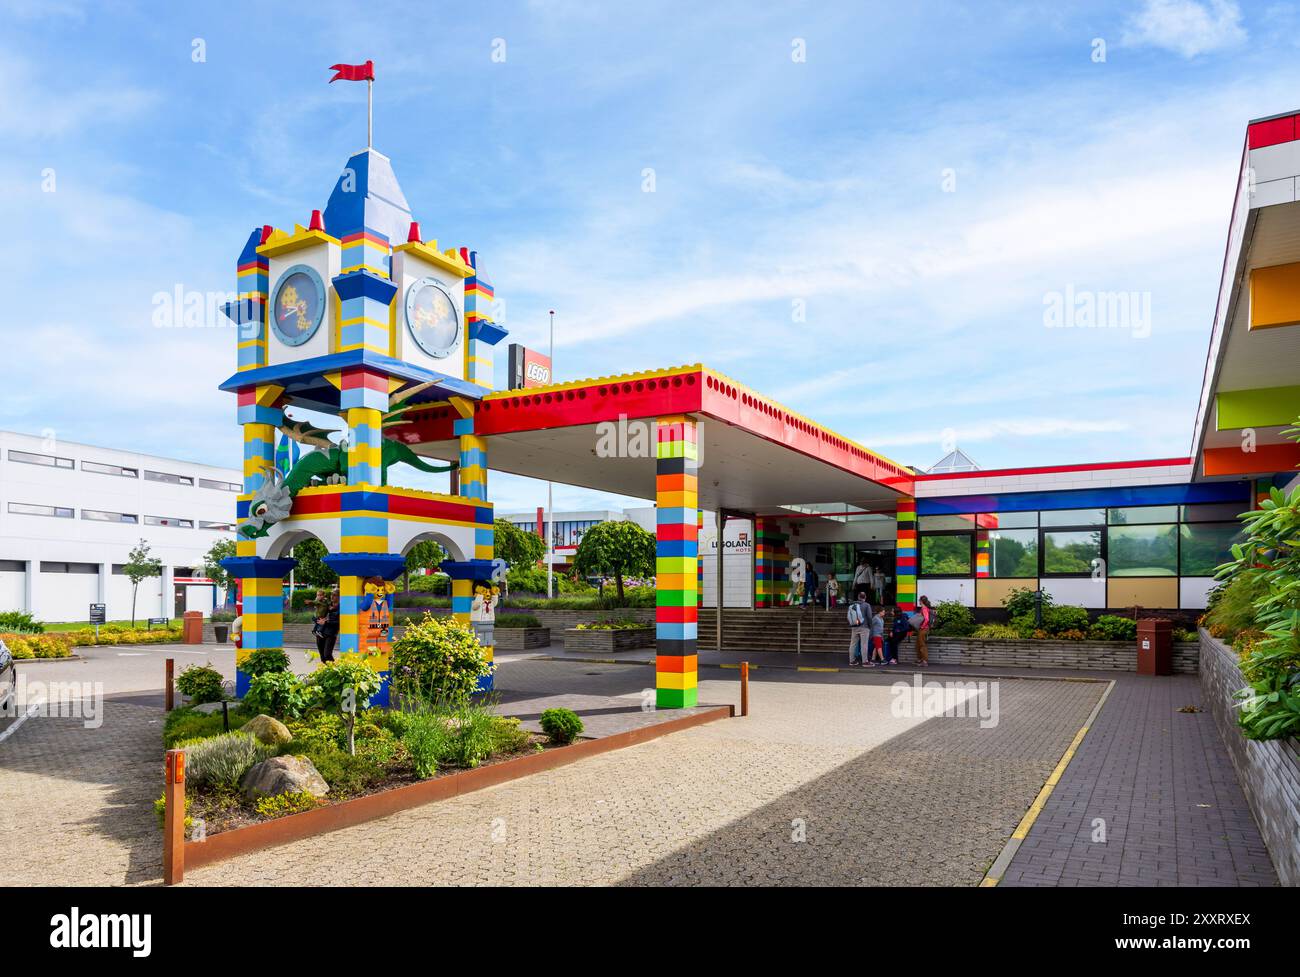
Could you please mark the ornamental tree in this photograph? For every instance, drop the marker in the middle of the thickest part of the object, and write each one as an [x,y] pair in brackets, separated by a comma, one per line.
[140,566]
[616,549]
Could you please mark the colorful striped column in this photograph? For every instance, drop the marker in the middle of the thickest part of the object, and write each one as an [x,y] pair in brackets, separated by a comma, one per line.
[248,312]
[480,305]
[365,312]
[699,560]
[771,562]
[676,563]
[354,568]
[905,568]
[473,459]
[259,415]
[350,590]
[262,586]
[363,397]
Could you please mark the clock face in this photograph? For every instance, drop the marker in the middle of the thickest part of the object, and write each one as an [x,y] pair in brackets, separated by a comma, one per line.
[298,305]
[432,318]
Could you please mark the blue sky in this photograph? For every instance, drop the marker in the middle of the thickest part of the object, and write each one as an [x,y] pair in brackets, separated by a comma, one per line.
[919,185]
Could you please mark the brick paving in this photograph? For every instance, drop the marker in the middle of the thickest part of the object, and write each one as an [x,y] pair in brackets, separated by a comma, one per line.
[76,803]
[820,785]
[1163,784]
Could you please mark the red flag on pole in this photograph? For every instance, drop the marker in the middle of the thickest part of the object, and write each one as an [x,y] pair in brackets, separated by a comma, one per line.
[353,72]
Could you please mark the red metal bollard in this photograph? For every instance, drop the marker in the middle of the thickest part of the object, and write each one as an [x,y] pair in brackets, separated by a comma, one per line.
[174,821]
[744,688]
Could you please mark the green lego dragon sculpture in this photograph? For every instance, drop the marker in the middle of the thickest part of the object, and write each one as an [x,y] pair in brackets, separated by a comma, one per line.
[273,501]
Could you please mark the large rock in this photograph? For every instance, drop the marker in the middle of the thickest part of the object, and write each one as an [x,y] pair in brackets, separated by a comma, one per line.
[283,775]
[267,729]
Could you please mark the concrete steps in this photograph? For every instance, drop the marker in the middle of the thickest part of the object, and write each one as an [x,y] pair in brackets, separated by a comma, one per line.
[776,629]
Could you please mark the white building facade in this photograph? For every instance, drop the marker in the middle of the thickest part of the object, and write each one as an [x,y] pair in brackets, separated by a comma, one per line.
[71,513]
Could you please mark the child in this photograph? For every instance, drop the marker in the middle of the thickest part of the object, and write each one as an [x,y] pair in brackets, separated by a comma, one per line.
[878,639]
[897,634]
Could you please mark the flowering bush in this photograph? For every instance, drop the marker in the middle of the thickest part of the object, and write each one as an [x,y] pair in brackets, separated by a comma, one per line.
[118,634]
[50,645]
[438,659]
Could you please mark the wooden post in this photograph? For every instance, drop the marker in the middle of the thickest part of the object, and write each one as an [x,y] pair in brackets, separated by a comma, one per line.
[744,688]
[169,689]
[174,820]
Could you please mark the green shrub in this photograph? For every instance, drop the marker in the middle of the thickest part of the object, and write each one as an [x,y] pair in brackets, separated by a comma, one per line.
[614,624]
[438,659]
[264,661]
[406,601]
[280,694]
[953,619]
[202,683]
[428,738]
[508,736]
[1111,627]
[1057,620]
[320,730]
[290,802]
[517,621]
[1231,606]
[1020,601]
[221,760]
[344,686]
[561,725]
[431,583]
[997,632]
[185,724]
[20,622]
[1184,634]
[346,774]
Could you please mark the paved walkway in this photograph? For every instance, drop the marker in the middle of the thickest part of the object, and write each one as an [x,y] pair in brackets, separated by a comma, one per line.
[822,784]
[1160,784]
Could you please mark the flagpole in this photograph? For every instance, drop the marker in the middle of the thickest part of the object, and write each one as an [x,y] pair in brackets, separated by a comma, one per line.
[370,113]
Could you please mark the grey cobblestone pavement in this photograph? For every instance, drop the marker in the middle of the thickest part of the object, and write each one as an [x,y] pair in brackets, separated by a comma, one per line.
[874,798]
[1161,783]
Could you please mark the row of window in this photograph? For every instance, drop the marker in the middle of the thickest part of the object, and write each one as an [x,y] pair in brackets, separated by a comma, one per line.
[53,461]
[129,518]
[1139,541]
[118,569]
[566,532]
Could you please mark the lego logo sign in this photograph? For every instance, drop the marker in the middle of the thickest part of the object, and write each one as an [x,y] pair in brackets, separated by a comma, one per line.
[527,368]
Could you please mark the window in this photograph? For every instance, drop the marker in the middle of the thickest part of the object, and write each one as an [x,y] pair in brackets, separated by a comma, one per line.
[212,483]
[101,469]
[1007,520]
[929,524]
[49,461]
[13,566]
[946,554]
[1142,551]
[1073,517]
[1206,545]
[167,477]
[26,509]
[1070,552]
[1013,552]
[69,567]
[227,527]
[99,516]
[169,521]
[1143,515]
[1214,512]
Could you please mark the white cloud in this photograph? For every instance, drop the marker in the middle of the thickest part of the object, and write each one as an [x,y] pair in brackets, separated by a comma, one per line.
[1186,27]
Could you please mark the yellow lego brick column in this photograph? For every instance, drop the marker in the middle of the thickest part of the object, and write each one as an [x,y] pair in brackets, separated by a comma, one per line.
[676,557]
[260,415]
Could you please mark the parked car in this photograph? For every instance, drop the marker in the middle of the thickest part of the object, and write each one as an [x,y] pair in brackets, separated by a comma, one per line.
[8,680]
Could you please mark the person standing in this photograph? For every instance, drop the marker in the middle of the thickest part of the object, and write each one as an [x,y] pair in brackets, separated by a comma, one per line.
[832,591]
[862,578]
[878,638]
[897,634]
[859,629]
[327,625]
[811,587]
[878,585]
[923,633]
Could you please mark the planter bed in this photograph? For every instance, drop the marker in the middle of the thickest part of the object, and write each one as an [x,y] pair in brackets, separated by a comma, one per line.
[384,801]
[606,640]
[1045,653]
[521,639]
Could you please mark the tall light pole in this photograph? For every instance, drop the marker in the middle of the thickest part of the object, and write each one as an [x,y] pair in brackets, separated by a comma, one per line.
[550,525]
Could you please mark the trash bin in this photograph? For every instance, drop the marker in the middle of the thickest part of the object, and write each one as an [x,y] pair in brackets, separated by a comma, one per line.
[192,627]
[1155,650]
[222,632]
